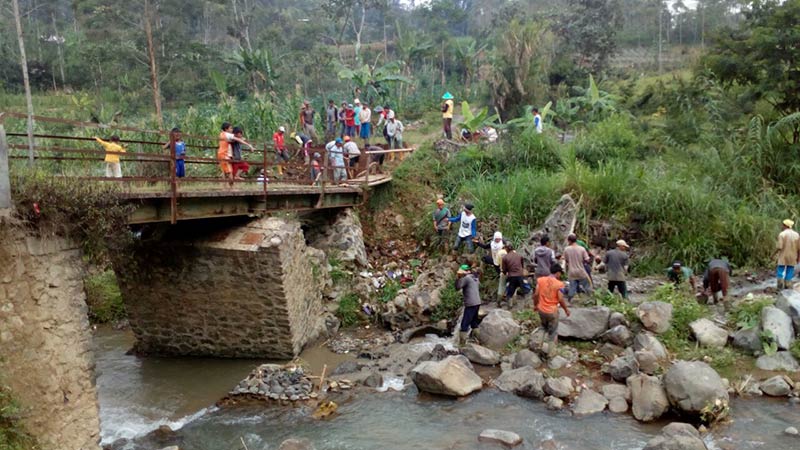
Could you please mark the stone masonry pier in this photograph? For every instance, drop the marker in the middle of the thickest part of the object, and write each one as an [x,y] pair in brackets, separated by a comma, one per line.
[250,290]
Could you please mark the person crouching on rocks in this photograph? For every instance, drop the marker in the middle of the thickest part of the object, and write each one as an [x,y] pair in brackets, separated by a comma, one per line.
[468,282]
[549,294]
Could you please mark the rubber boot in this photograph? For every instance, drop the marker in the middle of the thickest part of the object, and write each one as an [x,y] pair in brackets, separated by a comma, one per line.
[462,338]
[475,335]
[511,302]
[781,284]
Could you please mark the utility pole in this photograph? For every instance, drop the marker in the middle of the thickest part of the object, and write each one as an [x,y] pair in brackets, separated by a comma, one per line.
[23,60]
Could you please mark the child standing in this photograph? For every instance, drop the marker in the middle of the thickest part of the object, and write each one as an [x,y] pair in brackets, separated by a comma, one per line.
[239,164]
[180,151]
[113,149]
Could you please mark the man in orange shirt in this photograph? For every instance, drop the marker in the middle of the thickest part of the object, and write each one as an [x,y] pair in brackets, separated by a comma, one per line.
[549,294]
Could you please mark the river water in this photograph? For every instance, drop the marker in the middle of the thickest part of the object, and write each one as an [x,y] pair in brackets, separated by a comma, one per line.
[137,395]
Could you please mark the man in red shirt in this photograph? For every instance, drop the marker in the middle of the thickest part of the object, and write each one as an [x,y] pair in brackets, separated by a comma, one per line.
[281,155]
[547,297]
[349,121]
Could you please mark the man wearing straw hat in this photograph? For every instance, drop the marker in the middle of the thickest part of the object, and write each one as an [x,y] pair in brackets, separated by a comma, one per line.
[447,114]
[788,253]
[616,262]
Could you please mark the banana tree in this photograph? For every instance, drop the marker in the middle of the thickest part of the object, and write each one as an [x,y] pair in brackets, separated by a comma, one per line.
[374,81]
[476,122]
[257,64]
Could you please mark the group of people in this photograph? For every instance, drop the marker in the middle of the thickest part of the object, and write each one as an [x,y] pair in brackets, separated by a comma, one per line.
[448,108]
[355,120]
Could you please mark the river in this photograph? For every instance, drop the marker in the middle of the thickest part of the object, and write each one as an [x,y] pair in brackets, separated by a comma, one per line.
[137,395]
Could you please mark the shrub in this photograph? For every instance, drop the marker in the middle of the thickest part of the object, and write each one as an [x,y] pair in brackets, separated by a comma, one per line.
[12,434]
[532,150]
[349,310]
[747,314]
[389,291]
[611,138]
[795,349]
[104,298]
[685,310]
[450,303]
[615,303]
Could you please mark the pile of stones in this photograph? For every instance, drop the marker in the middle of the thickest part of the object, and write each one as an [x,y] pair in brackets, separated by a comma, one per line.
[277,382]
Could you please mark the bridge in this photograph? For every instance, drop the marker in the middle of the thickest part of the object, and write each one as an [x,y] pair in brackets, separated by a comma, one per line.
[150,182]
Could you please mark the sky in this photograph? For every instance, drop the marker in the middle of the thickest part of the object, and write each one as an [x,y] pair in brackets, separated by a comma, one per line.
[691,4]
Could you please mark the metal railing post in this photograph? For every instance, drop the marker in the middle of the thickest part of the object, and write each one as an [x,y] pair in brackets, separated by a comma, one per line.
[173,181]
[5,181]
[264,177]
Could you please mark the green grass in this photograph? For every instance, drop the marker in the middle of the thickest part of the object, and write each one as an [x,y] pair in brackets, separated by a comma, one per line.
[12,434]
[795,349]
[747,314]
[349,311]
[104,298]
[616,304]
[389,291]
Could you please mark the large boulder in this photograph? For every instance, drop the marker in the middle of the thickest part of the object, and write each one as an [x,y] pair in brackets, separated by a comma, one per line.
[560,387]
[646,341]
[779,361]
[677,436]
[584,323]
[589,402]
[648,363]
[692,386]
[778,323]
[648,397]
[481,355]
[612,391]
[526,358]
[618,335]
[498,329]
[506,438]
[558,225]
[748,339]
[524,381]
[655,316]
[776,386]
[623,366]
[413,306]
[451,376]
[789,302]
[708,334]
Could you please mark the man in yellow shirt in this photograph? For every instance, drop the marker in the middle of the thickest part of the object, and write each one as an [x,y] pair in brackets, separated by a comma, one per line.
[788,253]
[447,114]
[113,168]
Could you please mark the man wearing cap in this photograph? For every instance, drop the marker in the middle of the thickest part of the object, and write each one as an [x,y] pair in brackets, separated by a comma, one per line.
[351,154]
[365,117]
[468,282]
[307,120]
[441,222]
[788,253]
[357,116]
[447,114]
[716,279]
[281,155]
[335,151]
[576,258]
[616,262]
[678,274]
[467,229]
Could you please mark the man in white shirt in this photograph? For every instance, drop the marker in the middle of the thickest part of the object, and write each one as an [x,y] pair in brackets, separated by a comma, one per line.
[351,153]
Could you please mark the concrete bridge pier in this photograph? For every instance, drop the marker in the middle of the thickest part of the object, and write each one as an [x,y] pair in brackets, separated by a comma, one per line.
[245,290]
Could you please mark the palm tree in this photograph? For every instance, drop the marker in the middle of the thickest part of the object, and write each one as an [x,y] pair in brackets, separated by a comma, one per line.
[257,64]
[469,56]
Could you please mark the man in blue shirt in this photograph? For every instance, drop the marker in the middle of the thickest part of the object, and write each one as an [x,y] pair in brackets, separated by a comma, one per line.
[537,120]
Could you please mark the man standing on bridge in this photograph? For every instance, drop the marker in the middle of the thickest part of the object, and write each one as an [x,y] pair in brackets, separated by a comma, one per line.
[113,149]
[281,155]
[335,151]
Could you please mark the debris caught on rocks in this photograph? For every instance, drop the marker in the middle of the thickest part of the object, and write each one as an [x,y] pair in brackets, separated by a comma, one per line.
[325,410]
[275,382]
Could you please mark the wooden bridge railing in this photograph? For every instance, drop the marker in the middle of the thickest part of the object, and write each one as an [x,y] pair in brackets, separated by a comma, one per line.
[152,169]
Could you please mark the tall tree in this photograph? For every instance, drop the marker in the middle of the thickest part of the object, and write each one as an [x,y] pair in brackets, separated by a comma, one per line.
[23,61]
[151,54]
[590,26]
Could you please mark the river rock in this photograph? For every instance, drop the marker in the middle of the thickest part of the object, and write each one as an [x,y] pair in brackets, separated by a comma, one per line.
[623,366]
[584,323]
[646,341]
[648,398]
[617,318]
[648,363]
[677,436]
[557,362]
[451,376]
[691,386]
[374,380]
[171,447]
[498,329]
[748,339]
[618,335]
[589,402]
[791,431]
[296,444]
[618,405]
[776,386]
[526,358]
[553,403]
[347,367]
[779,361]
[610,351]
[708,334]
[612,391]
[506,438]
[560,387]
[779,324]
[789,302]
[655,316]
[525,382]
[481,355]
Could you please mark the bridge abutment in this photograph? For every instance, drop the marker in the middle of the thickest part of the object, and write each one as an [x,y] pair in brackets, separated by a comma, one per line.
[249,290]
